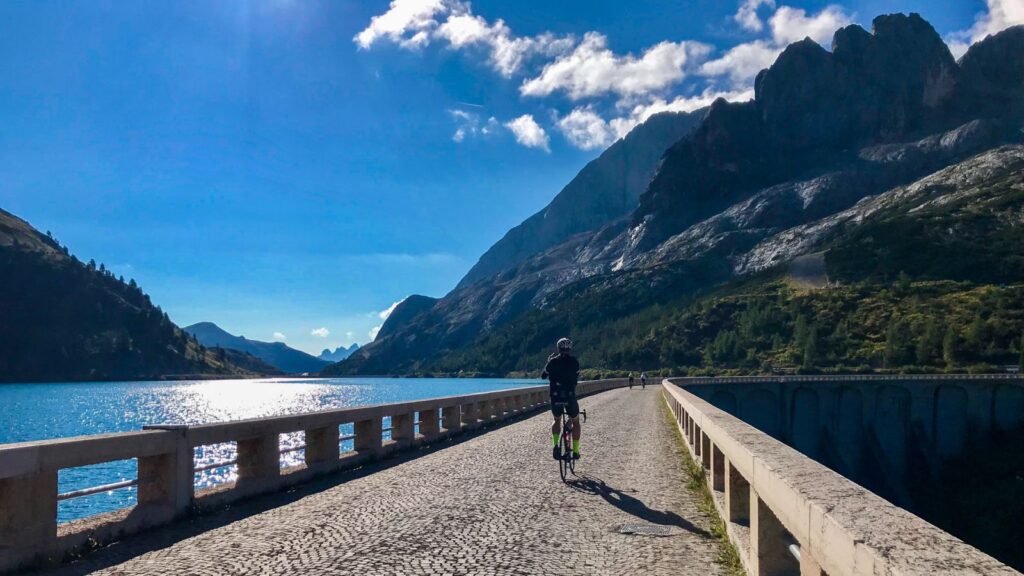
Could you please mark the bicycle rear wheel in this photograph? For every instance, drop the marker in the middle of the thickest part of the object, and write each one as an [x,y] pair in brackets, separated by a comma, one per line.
[563,461]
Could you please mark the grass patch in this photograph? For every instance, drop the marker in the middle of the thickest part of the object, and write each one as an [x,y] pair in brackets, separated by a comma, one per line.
[697,483]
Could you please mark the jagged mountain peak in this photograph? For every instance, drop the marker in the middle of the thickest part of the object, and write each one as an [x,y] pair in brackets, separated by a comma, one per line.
[826,130]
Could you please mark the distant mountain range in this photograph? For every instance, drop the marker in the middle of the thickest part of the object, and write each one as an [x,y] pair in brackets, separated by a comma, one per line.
[879,160]
[64,320]
[276,354]
[339,354]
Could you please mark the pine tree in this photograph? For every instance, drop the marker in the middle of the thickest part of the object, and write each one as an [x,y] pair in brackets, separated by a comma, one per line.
[903,283]
[1020,345]
[897,337]
[976,335]
[929,343]
[951,348]
[800,332]
[810,351]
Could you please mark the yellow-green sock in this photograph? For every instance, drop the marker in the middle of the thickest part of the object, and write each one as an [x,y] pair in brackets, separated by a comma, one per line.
[554,439]
[576,446]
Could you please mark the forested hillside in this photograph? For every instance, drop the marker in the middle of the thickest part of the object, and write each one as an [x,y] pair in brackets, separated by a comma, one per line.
[61,319]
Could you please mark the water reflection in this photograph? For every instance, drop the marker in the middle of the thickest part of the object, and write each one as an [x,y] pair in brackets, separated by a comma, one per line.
[42,411]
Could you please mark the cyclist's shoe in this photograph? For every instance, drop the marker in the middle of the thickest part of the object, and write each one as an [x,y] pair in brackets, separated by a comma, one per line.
[556,453]
[575,455]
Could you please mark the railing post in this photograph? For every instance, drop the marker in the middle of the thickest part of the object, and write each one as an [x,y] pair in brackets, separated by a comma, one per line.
[808,565]
[168,479]
[429,426]
[368,438]
[451,418]
[696,441]
[769,554]
[737,496]
[717,469]
[28,517]
[483,411]
[470,415]
[322,445]
[705,450]
[259,458]
[403,429]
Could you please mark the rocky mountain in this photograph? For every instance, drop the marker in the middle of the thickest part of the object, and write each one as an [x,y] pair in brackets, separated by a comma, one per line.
[276,354]
[606,189]
[63,320]
[884,124]
[339,354]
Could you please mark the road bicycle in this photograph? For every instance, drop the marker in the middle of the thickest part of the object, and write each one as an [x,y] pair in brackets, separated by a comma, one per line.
[566,463]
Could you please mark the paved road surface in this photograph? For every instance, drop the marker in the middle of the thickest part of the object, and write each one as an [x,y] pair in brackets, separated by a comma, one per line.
[492,504]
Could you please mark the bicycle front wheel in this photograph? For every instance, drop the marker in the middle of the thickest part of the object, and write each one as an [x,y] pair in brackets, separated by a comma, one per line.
[563,461]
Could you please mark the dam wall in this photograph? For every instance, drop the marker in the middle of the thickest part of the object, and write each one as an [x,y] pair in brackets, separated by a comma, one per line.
[876,430]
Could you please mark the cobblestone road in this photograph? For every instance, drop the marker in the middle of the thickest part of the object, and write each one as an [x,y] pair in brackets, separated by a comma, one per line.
[492,504]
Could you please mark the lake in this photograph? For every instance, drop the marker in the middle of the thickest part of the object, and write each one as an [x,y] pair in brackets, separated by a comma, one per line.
[57,410]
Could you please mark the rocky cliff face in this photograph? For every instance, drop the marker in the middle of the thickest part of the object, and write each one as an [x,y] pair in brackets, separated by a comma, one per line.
[606,189]
[756,183]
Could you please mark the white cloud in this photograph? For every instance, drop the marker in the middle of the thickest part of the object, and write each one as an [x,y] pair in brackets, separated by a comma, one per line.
[586,130]
[320,332]
[747,16]
[407,23]
[529,133]
[507,51]
[373,332]
[591,69]
[383,314]
[641,112]
[470,124]
[279,337]
[793,24]
[350,335]
[742,63]
[1000,15]
[414,24]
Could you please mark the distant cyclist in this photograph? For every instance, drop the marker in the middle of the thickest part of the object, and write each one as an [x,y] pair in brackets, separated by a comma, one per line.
[643,379]
[563,371]
[630,380]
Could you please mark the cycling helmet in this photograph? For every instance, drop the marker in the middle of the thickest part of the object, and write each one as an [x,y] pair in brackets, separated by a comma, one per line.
[564,345]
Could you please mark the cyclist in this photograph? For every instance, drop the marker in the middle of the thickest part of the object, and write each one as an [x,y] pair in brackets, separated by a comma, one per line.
[563,371]
[643,379]
[630,380]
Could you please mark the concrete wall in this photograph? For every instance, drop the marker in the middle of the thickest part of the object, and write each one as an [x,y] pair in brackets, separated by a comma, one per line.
[872,429]
[787,514]
[29,532]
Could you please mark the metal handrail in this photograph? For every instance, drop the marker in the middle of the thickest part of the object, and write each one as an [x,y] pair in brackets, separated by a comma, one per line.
[212,466]
[223,464]
[97,489]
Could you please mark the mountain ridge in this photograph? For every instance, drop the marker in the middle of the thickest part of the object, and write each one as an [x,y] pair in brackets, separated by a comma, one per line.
[825,131]
[64,320]
[277,354]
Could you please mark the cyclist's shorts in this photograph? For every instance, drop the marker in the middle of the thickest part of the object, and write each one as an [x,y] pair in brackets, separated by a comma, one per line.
[570,405]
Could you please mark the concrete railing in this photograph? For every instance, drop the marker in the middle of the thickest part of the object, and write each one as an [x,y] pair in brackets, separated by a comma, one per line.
[787,514]
[29,531]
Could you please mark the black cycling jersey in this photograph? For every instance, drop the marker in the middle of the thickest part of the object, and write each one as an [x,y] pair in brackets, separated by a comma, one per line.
[563,371]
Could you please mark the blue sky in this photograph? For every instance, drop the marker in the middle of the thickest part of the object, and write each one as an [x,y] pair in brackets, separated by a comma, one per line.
[294,168]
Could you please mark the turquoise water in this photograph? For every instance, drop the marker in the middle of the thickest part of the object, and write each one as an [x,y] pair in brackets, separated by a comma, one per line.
[44,411]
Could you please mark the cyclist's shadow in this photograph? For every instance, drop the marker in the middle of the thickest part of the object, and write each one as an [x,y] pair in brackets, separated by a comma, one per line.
[592,485]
